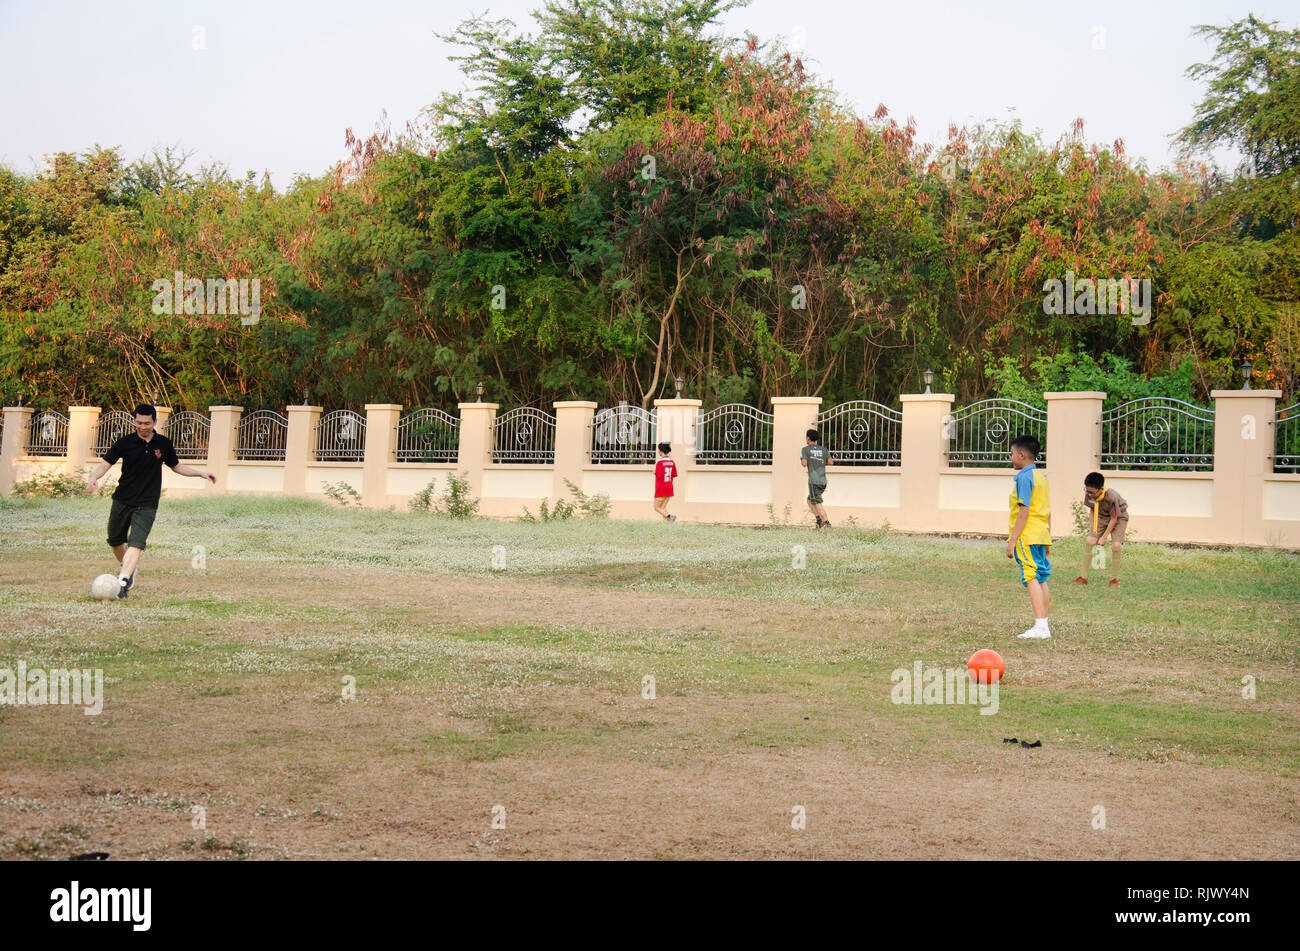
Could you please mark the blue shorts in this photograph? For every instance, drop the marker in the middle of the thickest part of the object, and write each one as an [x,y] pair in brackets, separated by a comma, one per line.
[1033,563]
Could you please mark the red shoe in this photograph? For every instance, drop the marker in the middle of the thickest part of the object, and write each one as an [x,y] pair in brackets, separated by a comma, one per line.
[1080,580]
[1114,582]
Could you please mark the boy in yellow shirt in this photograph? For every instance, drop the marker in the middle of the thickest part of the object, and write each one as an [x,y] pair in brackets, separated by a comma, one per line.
[1030,541]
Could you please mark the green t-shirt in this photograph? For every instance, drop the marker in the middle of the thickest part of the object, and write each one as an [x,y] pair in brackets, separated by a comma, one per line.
[816,456]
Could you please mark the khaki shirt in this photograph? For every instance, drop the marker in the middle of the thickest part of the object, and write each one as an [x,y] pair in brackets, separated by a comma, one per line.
[1109,501]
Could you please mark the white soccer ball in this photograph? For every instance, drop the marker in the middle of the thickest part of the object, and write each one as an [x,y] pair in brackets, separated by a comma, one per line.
[105,587]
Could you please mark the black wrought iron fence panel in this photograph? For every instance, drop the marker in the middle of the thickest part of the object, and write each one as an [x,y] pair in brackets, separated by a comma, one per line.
[189,432]
[111,427]
[862,433]
[734,434]
[341,437]
[980,435]
[428,435]
[1157,433]
[524,435]
[1286,445]
[624,435]
[47,434]
[262,436]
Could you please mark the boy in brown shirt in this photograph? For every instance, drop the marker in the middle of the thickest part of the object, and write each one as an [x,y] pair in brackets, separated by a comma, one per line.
[1109,518]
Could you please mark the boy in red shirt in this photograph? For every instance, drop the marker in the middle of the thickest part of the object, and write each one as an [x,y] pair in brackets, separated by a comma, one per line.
[665,472]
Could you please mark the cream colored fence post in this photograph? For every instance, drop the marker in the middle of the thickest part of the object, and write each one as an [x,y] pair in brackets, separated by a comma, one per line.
[381,452]
[1073,450]
[83,424]
[474,451]
[792,417]
[927,430]
[223,438]
[573,420]
[164,414]
[299,447]
[18,420]
[1243,448]
[675,425]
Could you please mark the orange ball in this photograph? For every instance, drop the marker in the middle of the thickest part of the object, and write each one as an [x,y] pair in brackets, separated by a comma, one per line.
[986,660]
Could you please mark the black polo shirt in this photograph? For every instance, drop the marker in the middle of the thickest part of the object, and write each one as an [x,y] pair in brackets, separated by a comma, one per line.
[142,462]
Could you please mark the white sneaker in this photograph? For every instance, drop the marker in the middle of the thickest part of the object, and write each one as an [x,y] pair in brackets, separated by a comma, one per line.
[1035,634]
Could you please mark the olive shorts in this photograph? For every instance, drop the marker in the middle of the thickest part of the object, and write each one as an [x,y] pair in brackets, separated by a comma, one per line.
[815,491]
[129,525]
[1117,533]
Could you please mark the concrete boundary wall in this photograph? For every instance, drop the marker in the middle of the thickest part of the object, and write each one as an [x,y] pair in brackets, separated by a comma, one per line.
[1240,501]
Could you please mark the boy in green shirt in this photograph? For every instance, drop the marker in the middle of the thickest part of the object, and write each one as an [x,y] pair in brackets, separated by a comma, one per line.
[815,458]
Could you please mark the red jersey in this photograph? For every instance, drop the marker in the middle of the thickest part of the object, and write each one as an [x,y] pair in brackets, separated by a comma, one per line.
[665,472]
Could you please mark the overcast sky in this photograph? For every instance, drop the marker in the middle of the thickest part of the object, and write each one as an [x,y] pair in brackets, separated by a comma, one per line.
[271,85]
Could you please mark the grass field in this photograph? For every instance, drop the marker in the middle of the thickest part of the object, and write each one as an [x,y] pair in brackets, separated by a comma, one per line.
[522,687]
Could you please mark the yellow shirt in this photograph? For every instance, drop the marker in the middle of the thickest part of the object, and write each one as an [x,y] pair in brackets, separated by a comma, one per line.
[1031,490]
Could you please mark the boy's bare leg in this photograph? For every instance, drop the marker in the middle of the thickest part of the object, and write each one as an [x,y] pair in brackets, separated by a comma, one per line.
[119,551]
[1114,560]
[1038,598]
[821,511]
[130,560]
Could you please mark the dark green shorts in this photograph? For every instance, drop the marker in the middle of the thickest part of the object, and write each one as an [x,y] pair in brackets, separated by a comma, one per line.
[815,491]
[129,525]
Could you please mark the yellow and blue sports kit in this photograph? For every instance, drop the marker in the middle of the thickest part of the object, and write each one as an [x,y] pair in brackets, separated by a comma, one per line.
[1031,491]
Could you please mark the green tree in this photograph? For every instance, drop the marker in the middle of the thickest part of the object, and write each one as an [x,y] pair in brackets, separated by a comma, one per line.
[1253,103]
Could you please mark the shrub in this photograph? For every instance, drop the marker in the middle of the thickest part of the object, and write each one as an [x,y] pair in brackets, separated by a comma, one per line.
[591,506]
[1081,520]
[773,521]
[422,501]
[342,493]
[455,501]
[562,511]
[51,484]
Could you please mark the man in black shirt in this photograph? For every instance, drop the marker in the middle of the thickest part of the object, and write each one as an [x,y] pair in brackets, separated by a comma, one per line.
[135,501]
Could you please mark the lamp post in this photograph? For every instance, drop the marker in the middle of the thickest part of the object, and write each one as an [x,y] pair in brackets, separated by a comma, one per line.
[478,389]
[305,393]
[680,382]
[1247,370]
[928,376]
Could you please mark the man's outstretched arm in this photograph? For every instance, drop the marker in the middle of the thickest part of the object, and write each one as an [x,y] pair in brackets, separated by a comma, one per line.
[98,474]
[183,470]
